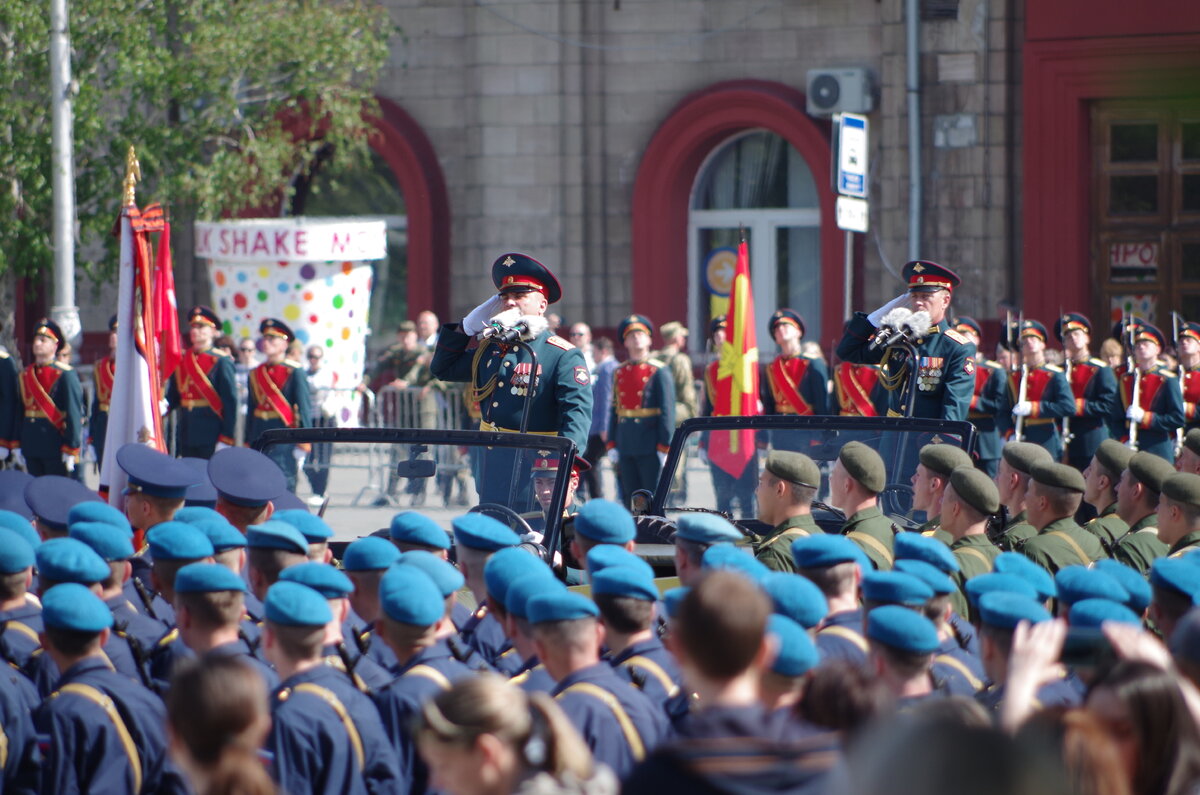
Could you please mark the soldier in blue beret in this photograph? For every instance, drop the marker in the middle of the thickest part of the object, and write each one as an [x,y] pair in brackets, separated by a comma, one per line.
[1158,414]
[618,722]
[412,618]
[945,366]
[602,556]
[364,562]
[414,530]
[835,565]
[625,597]
[100,512]
[245,485]
[173,545]
[94,707]
[51,433]
[1038,395]
[20,615]
[500,374]
[598,522]
[795,656]
[731,558]
[1016,564]
[1077,583]
[998,581]
[449,581]
[1093,388]
[51,498]
[278,398]
[695,533]
[270,548]
[204,390]
[1129,578]
[956,663]
[316,532]
[532,675]
[1174,589]
[902,643]
[505,567]
[999,614]
[476,538]
[326,736]
[795,384]
[893,588]
[642,419]
[796,598]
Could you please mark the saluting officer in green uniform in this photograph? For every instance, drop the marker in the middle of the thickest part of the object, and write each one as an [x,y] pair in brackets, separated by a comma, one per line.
[52,430]
[935,463]
[1179,514]
[786,489]
[1012,481]
[1055,492]
[1101,478]
[854,485]
[1137,503]
[970,499]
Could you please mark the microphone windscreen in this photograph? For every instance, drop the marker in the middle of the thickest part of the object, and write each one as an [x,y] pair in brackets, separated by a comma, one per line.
[896,317]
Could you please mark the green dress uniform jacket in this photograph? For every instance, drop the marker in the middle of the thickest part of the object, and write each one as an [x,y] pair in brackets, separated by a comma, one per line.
[872,531]
[1107,526]
[945,365]
[199,378]
[1140,547]
[1185,546]
[1015,533]
[775,550]
[1063,543]
[976,555]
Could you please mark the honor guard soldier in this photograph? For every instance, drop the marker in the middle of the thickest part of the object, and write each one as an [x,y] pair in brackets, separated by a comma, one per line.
[643,411]
[20,615]
[1179,515]
[500,374]
[1017,460]
[477,537]
[730,486]
[1000,612]
[854,486]
[1151,422]
[52,430]
[1037,394]
[104,372]
[204,390]
[1055,492]
[625,597]
[1137,504]
[278,398]
[786,490]
[1187,349]
[10,406]
[945,377]
[858,391]
[991,380]
[796,384]
[935,463]
[1093,386]
[835,565]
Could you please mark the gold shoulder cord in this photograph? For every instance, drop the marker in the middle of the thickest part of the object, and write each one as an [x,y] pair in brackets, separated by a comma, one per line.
[479,394]
[891,382]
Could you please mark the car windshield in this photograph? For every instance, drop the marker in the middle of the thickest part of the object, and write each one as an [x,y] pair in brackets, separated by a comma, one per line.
[715,462]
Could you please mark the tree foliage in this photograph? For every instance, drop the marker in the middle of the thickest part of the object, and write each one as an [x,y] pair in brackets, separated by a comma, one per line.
[225,102]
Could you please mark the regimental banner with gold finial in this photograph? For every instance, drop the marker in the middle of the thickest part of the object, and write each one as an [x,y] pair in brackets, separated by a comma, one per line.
[737,374]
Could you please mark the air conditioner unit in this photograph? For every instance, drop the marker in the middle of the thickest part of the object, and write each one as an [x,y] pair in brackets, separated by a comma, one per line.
[839,90]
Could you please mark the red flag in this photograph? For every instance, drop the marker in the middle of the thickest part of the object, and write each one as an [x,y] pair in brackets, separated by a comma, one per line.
[166,313]
[737,374]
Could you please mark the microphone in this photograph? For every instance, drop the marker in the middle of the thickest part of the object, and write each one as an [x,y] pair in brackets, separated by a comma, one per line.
[891,328]
[506,334]
[917,324]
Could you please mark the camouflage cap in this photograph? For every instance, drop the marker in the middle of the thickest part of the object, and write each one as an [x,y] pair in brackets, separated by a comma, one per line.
[1115,456]
[976,489]
[1150,470]
[1022,456]
[794,468]
[1184,488]
[944,458]
[864,465]
[1058,475]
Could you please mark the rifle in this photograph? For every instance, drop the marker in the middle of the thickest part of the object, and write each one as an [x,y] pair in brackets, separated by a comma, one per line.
[1023,389]
[1135,395]
[1066,421]
[1182,378]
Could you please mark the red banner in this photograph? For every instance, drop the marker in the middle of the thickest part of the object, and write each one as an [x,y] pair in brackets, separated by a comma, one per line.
[737,374]
[166,314]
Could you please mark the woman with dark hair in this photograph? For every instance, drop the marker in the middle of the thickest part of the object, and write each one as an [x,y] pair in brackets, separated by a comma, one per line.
[217,719]
[1090,760]
[485,737]
[1145,714]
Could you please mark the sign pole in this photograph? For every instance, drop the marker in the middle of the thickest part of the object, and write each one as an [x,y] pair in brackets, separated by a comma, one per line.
[848,297]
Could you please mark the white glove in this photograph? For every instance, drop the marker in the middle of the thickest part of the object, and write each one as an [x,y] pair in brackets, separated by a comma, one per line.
[68,461]
[662,460]
[4,453]
[299,455]
[1135,413]
[878,314]
[614,456]
[163,407]
[474,322]
[1022,409]
[89,454]
[221,446]
[18,459]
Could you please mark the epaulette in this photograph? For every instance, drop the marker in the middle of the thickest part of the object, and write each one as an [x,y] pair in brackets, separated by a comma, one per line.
[656,362]
[169,638]
[559,342]
[220,352]
[66,368]
[1167,372]
[990,363]
[954,335]
[293,364]
[1054,368]
[1097,361]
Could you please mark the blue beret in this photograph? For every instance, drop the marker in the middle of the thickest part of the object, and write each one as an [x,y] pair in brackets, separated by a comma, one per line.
[312,527]
[447,578]
[1020,566]
[15,552]
[673,598]
[625,581]
[602,556]
[154,473]
[51,498]
[516,601]
[731,558]
[208,577]
[482,532]
[606,522]
[99,512]
[202,493]
[506,567]
[191,514]
[321,577]
[1076,583]
[69,560]
[796,597]
[1005,610]
[937,579]
[178,541]
[408,595]
[1132,580]
[109,541]
[1175,574]
[823,551]
[221,534]
[706,528]
[291,604]
[914,546]
[245,477]
[276,535]
[1092,613]
[902,629]
[411,527]
[895,588]
[74,607]
[11,520]
[797,654]
[12,492]
[996,581]
[370,554]
[559,606]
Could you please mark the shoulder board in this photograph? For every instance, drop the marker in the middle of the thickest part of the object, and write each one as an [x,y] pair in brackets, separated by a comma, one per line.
[954,335]
[292,364]
[809,356]
[992,364]
[559,342]
[1097,361]
[655,362]
[169,638]
[66,368]
[218,352]
[1054,368]
[1167,372]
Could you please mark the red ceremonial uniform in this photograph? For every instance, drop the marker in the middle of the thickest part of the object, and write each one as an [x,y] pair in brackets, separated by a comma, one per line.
[856,385]
[796,385]
[1191,396]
